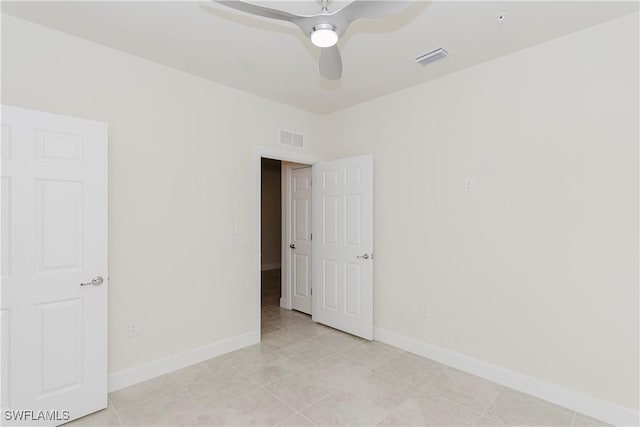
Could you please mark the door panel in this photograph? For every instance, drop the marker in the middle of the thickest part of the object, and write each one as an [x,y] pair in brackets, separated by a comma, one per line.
[342,261]
[54,226]
[353,285]
[59,350]
[330,284]
[300,273]
[59,222]
[330,220]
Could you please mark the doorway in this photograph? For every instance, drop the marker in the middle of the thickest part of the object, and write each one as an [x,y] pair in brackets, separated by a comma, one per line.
[285,237]
[341,262]
[270,233]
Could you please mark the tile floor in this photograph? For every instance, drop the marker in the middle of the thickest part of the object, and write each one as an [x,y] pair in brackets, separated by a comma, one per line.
[305,374]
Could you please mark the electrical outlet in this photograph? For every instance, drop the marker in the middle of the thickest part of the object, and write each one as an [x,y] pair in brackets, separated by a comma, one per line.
[468,184]
[133,329]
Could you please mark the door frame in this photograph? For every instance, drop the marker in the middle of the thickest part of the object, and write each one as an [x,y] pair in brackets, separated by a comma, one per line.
[274,153]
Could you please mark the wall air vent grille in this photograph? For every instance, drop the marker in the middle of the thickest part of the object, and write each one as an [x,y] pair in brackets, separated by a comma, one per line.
[290,138]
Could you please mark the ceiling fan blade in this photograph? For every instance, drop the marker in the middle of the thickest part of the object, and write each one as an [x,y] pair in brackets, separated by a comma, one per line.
[255,9]
[331,63]
[372,9]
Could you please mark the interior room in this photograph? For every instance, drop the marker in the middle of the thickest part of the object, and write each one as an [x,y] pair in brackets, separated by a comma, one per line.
[329,213]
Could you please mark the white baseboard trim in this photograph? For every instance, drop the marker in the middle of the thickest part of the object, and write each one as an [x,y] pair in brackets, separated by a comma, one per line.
[272,266]
[156,368]
[579,402]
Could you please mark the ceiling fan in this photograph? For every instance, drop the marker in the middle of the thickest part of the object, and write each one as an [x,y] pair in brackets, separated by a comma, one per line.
[325,28]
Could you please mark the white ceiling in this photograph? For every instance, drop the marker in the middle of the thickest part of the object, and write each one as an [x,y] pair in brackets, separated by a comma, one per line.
[273,59]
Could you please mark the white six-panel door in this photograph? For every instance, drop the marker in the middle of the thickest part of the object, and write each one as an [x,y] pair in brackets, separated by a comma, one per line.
[300,245]
[54,237]
[342,254]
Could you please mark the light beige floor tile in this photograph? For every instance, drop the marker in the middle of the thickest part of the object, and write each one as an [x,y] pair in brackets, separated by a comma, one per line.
[266,327]
[383,390]
[244,355]
[220,387]
[256,408]
[580,420]
[339,369]
[282,338]
[291,319]
[143,391]
[170,409]
[297,420]
[104,418]
[343,408]
[340,341]
[373,353]
[427,409]
[200,370]
[301,389]
[413,369]
[514,408]
[466,389]
[307,352]
[202,419]
[270,367]
[487,422]
[263,359]
[310,328]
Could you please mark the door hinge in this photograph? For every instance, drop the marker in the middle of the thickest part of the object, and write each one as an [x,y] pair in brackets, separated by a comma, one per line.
[311,291]
[310,236]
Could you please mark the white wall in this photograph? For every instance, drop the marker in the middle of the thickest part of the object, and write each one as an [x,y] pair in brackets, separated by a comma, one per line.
[181,168]
[271,216]
[536,270]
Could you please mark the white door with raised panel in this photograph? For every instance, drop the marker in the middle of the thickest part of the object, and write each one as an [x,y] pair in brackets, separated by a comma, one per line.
[300,245]
[342,197]
[54,266]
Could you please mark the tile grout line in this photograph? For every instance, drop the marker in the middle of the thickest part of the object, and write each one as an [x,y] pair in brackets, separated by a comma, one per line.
[116,412]
[302,415]
[484,413]
[318,401]
[184,387]
[416,391]
[149,399]
[283,402]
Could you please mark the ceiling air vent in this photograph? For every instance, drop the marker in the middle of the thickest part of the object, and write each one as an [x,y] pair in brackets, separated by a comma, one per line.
[432,56]
[290,138]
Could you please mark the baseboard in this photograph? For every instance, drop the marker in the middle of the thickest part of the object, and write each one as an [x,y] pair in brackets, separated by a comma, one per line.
[271,266]
[156,368]
[579,402]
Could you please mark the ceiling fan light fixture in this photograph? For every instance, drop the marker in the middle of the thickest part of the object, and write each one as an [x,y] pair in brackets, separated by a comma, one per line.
[324,35]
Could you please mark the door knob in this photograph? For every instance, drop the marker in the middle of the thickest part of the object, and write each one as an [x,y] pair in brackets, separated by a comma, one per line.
[365,256]
[292,246]
[96,281]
